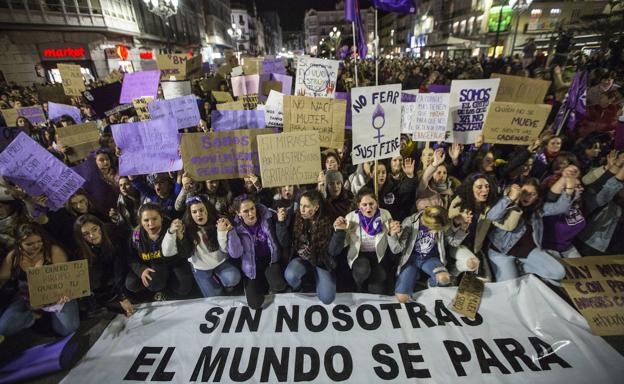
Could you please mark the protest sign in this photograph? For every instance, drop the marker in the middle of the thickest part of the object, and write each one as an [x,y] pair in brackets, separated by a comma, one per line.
[114,76]
[428,118]
[10,116]
[56,111]
[104,98]
[286,82]
[149,65]
[469,104]
[221,155]
[139,84]
[376,122]
[469,295]
[148,146]
[102,195]
[34,114]
[82,139]
[118,109]
[516,89]
[515,123]
[237,71]
[177,67]
[360,338]
[53,93]
[252,66]
[321,114]
[228,53]
[231,106]
[183,109]
[268,86]
[596,287]
[7,134]
[273,66]
[224,70]
[48,283]
[38,172]
[438,88]
[243,85]
[289,158]
[222,97]
[274,110]
[346,96]
[249,101]
[316,77]
[73,83]
[173,89]
[140,105]
[227,120]
[210,84]
[194,67]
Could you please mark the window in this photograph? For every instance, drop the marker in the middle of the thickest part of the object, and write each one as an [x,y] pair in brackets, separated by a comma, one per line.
[555,11]
[536,12]
[576,13]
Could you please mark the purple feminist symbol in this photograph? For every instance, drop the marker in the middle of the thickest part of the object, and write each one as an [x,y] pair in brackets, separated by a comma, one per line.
[379,120]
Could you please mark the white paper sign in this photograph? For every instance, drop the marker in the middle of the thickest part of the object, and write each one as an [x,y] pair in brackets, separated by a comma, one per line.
[376,118]
[237,71]
[428,118]
[274,110]
[173,89]
[469,104]
[316,77]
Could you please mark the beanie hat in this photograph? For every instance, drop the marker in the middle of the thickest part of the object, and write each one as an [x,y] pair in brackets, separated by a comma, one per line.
[333,176]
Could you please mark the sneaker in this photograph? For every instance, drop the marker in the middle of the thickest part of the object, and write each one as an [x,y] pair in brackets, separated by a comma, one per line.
[160,296]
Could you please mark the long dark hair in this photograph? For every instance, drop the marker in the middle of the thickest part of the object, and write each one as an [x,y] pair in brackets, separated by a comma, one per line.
[465,193]
[192,229]
[111,159]
[21,233]
[535,183]
[83,247]
[319,228]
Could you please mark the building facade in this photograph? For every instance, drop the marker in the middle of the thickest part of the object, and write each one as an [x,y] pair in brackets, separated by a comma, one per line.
[272,32]
[218,17]
[294,41]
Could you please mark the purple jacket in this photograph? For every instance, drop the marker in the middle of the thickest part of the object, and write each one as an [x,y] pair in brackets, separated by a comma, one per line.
[240,241]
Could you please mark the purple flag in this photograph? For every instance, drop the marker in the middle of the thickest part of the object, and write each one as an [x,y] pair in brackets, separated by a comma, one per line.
[38,172]
[240,119]
[55,111]
[574,105]
[352,14]
[148,146]
[350,10]
[400,6]
[139,84]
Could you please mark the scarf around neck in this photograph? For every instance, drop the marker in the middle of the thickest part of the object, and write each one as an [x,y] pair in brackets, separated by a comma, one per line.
[372,226]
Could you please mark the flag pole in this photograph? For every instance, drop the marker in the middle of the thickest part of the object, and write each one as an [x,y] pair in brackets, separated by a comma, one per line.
[355,53]
[376,83]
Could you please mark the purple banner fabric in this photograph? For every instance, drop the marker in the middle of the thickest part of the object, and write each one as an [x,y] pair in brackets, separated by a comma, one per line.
[399,6]
[103,98]
[7,134]
[352,14]
[183,109]
[34,169]
[40,360]
[103,195]
[407,97]
[55,111]
[148,146]
[34,114]
[230,120]
[286,82]
[574,105]
[438,88]
[345,96]
[139,84]
[350,10]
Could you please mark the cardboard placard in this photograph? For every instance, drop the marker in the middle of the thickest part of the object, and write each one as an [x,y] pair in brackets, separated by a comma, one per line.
[176,67]
[140,105]
[10,115]
[249,101]
[48,283]
[231,106]
[516,89]
[252,65]
[515,123]
[114,76]
[222,97]
[596,286]
[81,138]
[268,86]
[221,155]
[468,297]
[324,115]
[73,83]
[289,158]
[224,70]
[54,93]
[210,84]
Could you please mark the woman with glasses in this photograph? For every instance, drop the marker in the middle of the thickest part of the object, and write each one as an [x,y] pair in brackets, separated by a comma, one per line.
[202,237]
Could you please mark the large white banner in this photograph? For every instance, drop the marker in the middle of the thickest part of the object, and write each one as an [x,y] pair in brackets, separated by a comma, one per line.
[316,77]
[524,333]
[469,104]
[376,122]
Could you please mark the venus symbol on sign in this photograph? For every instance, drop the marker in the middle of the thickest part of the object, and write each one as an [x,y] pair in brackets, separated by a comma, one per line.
[379,120]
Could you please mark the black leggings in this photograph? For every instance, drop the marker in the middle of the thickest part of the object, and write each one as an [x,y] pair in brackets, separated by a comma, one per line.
[365,269]
[268,277]
[177,278]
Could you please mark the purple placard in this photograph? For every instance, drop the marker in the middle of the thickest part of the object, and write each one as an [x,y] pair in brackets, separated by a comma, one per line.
[345,96]
[230,120]
[148,146]
[273,66]
[286,82]
[55,111]
[407,97]
[245,85]
[183,109]
[139,84]
[103,195]
[34,114]
[38,172]
[103,98]
[438,88]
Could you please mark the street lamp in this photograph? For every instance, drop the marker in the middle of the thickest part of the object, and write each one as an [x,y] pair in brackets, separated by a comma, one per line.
[520,6]
[162,8]
[334,35]
[236,34]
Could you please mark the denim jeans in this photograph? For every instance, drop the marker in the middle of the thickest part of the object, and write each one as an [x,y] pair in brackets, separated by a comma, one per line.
[18,316]
[212,281]
[538,262]
[410,273]
[325,281]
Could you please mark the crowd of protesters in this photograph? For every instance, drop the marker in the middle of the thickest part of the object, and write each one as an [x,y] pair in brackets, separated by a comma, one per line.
[424,218]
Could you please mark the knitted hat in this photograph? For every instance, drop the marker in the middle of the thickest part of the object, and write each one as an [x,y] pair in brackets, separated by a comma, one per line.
[333,176]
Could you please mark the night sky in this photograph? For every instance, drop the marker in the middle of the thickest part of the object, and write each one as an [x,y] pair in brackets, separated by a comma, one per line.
[291,12]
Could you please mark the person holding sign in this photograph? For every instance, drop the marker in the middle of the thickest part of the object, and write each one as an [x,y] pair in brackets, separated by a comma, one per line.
[106,252]
[393,194]
[33,248]
[202,236]
[307,236]
[253,240]
[422,244]
[365,232]
[436,187]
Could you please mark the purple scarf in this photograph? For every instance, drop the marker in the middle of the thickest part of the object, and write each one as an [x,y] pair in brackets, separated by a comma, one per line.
[372,226]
